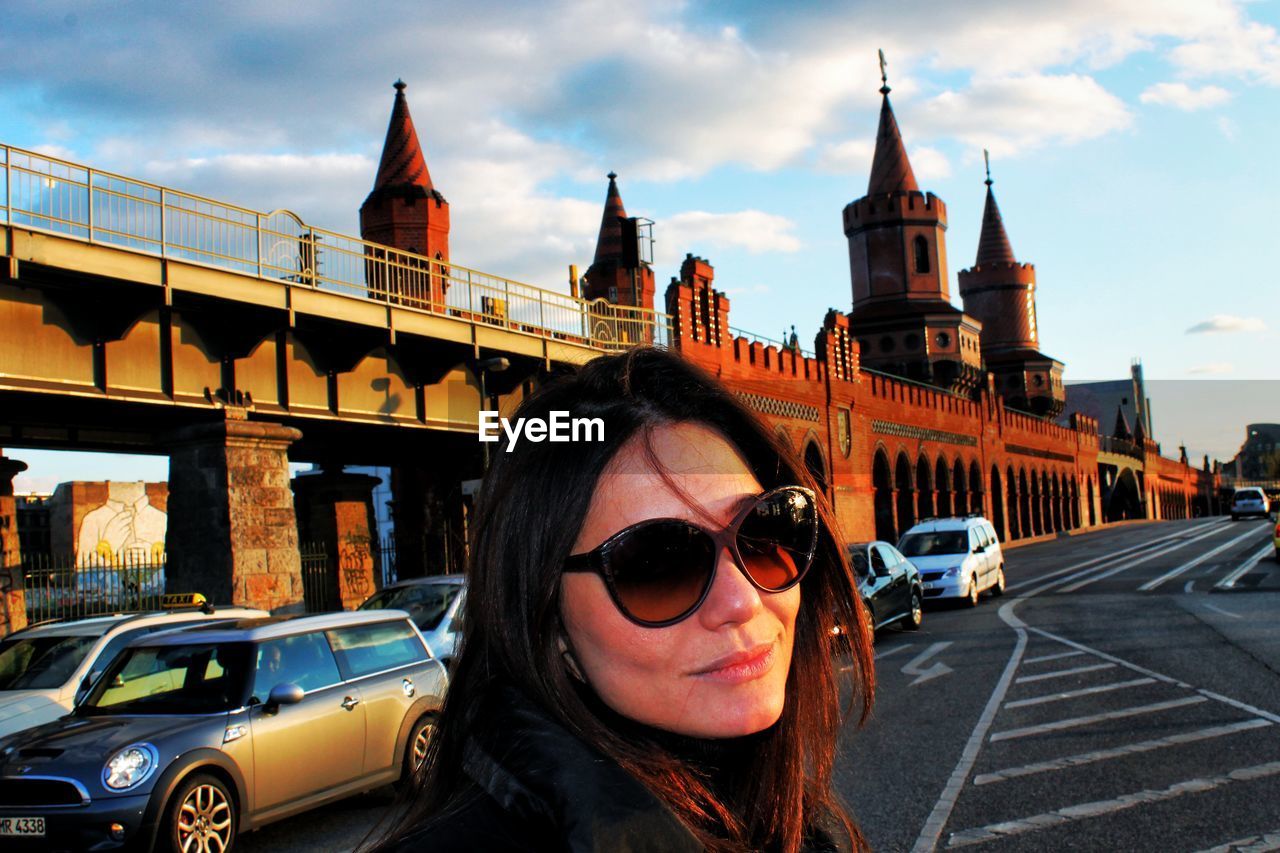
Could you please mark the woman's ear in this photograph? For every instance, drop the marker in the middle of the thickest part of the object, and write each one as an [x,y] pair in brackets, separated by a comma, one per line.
[569,660]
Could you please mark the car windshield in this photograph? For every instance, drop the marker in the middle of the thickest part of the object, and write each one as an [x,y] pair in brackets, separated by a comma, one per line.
[426,603]
[37,663]
[858,556]
[934,544]
[188,679]
[1248,496]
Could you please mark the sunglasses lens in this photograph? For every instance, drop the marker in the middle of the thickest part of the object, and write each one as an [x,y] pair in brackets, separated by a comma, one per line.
[661,570]
[777,538]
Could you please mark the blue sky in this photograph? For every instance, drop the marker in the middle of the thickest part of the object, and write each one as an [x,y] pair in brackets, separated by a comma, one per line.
[1133,146]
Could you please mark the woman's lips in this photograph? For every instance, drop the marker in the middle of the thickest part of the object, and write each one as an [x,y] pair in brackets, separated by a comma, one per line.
[742,666]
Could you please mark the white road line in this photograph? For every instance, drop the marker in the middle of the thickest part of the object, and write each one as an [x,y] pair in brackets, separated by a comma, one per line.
[1081,811]
[1118,661]
[1243,706]
[1229,581]
[1106,558]
[1076,722]
[1059,673]
[1093,575]
[1265,843]
[895,649]
[933,826]
[1190,564]
[1119,751]
[1223,612]
[1058,656]
[1186,587]
[1084,691]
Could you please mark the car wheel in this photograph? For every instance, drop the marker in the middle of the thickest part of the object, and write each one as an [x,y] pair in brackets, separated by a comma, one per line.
[997,589]
[869,621]
[415,748]
[915,616]
[972,598]
[200,817]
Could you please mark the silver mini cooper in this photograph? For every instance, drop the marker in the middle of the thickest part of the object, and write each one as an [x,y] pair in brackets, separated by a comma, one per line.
[194,736]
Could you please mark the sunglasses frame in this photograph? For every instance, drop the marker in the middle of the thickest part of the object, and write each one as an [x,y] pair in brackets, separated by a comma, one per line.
[597,559]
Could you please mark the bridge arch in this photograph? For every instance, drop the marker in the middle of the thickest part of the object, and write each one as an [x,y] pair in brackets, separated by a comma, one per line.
[997,505]
[906,498]
[1037,506]
[942,482]
[882,483]
[975,488]
[1125,499]
[924,488]
[958,483]
[815,463]
[1016,522]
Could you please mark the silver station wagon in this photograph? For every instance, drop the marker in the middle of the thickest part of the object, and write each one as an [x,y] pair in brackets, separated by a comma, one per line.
[192,737]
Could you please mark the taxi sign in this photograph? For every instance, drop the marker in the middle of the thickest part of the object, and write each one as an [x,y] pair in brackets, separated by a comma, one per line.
[182,599]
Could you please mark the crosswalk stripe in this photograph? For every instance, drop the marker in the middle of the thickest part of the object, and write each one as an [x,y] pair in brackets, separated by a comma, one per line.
[1190,564]
[1119,751]
[1076,722]
[1084,691]
[1059,673]
[1082,811]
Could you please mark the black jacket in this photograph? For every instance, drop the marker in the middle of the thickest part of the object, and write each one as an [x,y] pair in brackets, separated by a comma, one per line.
[541,789]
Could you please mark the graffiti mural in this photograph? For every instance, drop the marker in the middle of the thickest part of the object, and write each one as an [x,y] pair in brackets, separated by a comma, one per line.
[125,528]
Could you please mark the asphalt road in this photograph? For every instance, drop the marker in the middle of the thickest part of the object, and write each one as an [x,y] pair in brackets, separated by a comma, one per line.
[1118,698]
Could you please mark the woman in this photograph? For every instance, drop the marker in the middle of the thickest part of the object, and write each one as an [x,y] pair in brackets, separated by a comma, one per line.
[647,662]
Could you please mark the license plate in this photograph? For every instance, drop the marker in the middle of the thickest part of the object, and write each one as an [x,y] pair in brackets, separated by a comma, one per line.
[25,826]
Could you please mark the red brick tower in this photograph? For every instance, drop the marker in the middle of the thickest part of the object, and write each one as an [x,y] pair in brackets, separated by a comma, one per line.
[405,211]
[618,274]
[1001,293]
[902,312]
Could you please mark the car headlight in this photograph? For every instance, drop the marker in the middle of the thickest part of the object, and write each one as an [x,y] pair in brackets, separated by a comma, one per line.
[955,570]
[130,767]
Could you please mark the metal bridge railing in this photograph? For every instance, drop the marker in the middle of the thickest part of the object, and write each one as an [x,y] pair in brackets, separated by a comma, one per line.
[752,337]
[49,194]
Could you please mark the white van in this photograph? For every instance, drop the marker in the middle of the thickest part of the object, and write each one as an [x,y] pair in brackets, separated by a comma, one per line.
[958,558]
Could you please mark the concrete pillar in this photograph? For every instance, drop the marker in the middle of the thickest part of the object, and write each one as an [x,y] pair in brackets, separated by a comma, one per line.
[232,533]
[335,509]
[13,602]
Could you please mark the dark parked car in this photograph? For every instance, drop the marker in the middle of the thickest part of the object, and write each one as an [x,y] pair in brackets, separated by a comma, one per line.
[192,737]
[434,603]
[889,585]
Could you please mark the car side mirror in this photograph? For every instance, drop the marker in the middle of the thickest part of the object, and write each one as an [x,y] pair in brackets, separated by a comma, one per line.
[283,694]
[978,549]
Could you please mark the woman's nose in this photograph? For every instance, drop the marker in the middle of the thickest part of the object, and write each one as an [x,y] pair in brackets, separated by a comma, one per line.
[732,599]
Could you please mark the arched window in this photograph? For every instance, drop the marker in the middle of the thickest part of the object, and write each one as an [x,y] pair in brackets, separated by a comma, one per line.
[920,252]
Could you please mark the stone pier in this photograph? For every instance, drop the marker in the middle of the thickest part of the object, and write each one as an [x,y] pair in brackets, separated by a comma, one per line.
[13,603]
[233,535]
[335,508]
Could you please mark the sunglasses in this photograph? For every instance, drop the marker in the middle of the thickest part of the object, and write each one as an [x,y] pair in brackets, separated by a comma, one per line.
[659,571]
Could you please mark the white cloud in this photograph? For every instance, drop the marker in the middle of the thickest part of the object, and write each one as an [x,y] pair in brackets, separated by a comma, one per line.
[929,164]
[851,157]
[1227,128]
[698,231]
[1184,97]
[1213,368]
[1227,323]
[1240,48]
[1013,114]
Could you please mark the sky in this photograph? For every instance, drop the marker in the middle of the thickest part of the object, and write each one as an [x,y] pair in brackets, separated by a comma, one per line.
[1132,145]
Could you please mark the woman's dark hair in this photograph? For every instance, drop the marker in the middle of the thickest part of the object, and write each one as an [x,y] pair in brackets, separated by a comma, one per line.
[527,520]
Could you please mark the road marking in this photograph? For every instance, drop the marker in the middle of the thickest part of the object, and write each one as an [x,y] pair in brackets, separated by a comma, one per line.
[1106,558]
[1082,811]
[1230,580]
[1084,691]
[1058,656]
[1125,566]
[1119,751]
[1076,722]
[895,649]
[1188,585]
[1223,612]
[1120,662]
[1264,843]
[1059,673]
[914,666]
[1190,564]
[937,820]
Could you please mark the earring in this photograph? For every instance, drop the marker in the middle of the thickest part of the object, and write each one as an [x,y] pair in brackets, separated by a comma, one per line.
[569,660]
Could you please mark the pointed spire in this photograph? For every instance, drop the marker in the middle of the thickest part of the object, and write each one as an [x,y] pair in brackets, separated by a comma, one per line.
[609,244]
[890,169]
[993,245]
[402,161]
[1122,430]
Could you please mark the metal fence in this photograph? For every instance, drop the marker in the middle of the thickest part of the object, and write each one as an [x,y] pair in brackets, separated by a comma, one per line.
[319,580]
[64,588]
[45,193]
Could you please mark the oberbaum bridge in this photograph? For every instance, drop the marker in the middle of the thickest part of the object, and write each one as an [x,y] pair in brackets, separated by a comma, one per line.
[135,318]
